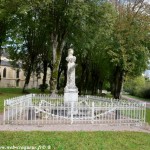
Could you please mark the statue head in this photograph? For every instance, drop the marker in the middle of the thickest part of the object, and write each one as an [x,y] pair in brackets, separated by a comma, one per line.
[70,51]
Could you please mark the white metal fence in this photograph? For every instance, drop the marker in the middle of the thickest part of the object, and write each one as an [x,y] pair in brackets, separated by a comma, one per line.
[44,109]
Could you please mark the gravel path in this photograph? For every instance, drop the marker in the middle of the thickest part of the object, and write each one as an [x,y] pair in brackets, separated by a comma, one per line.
[73,127]
[67,127]
[136,100]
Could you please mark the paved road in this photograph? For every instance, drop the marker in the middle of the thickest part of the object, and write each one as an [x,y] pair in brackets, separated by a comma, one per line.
[135,99]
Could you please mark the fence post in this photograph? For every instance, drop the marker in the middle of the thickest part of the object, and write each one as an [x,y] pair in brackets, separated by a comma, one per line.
[72,108]
[4,116]
[144,112]
[92,112]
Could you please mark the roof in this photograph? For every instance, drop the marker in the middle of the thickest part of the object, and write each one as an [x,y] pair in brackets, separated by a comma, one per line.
[5,63]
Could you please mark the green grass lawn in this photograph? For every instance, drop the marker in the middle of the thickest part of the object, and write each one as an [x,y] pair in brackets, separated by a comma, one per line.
[4,96]
[6,93]
[78,140]
[19,91]
[148,115]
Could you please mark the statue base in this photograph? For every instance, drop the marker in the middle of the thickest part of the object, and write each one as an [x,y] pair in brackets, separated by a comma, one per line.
[70,95]
[71,98]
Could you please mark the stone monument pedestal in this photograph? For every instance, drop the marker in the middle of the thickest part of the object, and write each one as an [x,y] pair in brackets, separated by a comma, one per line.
[71,99]
[70,95]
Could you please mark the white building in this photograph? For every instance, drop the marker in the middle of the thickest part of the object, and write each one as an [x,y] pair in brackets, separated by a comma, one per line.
[14,77]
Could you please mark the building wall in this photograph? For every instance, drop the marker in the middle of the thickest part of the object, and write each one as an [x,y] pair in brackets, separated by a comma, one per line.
[11,79]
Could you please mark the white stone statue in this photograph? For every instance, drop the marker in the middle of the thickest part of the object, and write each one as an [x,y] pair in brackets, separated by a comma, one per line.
[71,91]
[71,70]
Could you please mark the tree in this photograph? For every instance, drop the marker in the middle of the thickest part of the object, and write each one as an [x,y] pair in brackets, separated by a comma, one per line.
[109,43]
[64,16]
[30,43]
[6,11]
[128,53]
[134,85]
[91,45]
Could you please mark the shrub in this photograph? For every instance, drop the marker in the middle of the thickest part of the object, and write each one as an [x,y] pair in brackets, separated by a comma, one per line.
[134,86]
[43,86]
[145,92]
[138,87]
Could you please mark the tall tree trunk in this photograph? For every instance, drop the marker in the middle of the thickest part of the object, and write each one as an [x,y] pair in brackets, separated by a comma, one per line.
[93,84]
[54,75]
[0,50]
[44,76]
[2,36]
[118,81]
[95,81]
[58,79]
[0,56]
[111,86]
[27,79]
[82,79]
[63,68]
[57,48]
[86,84]
[117,87]
[100,87]
[65,76]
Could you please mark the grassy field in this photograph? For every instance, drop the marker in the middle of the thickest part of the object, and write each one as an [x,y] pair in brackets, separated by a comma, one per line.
[77,140]
[6,93]
[148,115]
[18,90]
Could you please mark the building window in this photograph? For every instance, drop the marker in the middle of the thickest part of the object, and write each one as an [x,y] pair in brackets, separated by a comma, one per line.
[17,73]
[4,73]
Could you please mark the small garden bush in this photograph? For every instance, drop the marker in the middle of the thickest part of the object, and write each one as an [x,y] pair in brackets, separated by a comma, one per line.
[43,87]
[145,92]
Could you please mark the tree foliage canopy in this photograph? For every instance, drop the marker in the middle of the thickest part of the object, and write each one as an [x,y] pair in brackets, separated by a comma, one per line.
[110,41]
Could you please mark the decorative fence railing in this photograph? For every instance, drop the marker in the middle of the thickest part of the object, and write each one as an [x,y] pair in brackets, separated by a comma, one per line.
[45,109]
